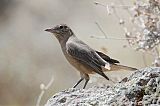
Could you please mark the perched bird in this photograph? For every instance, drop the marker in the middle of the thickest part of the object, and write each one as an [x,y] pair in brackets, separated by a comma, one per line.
[85,59]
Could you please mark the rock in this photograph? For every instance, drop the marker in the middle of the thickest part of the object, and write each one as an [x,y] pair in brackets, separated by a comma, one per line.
[141,88]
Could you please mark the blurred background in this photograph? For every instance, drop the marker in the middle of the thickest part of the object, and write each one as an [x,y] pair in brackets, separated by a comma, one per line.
[29,56]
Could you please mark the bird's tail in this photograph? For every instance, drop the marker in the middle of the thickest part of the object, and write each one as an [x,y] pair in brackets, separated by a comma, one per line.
[122,67]
[117,67]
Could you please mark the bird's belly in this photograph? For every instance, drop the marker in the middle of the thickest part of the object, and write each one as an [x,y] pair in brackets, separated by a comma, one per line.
[81,67]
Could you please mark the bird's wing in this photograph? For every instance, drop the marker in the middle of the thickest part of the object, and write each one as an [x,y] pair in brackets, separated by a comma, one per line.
[107,58]
[86,55]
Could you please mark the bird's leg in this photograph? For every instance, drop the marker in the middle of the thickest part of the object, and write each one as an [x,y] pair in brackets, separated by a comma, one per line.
[78,82]
[85,83]
[86,76]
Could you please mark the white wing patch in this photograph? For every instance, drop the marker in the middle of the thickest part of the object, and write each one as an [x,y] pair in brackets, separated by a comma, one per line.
[107,66]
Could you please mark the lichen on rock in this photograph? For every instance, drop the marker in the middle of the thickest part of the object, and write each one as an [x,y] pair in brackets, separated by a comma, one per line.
[141,88]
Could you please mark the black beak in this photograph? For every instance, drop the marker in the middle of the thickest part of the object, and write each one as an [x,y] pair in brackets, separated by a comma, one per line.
[50,30]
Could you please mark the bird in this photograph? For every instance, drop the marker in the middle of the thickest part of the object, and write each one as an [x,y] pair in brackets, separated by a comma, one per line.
[81,56]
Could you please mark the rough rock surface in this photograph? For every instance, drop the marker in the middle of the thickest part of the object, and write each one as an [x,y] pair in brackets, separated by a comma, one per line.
[141,88]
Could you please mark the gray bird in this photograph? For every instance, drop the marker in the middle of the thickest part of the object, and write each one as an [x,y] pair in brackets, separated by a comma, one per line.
[85,59]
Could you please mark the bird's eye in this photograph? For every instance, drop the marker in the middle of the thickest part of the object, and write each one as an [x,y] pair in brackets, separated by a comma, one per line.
[61,27]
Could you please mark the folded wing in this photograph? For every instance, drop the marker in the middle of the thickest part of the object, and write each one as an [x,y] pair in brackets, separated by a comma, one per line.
[107,58]
[86,55]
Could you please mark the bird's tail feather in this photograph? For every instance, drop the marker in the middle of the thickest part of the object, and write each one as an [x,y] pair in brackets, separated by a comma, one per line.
[117,67]
[122,67]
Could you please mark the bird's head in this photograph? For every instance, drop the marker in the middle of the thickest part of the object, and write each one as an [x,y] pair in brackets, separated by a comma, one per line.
[61,31]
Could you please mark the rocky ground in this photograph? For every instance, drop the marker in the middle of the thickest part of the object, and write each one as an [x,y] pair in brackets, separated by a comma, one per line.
[141,88]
